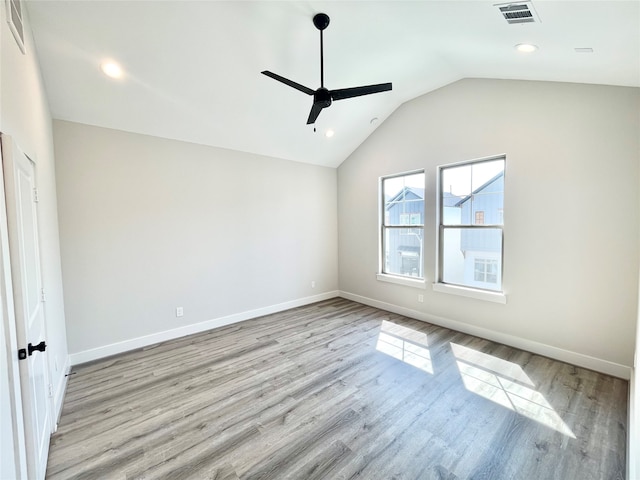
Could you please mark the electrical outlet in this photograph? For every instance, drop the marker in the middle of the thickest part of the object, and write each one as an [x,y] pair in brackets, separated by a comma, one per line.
[313,284]
[421,298]
[179,311]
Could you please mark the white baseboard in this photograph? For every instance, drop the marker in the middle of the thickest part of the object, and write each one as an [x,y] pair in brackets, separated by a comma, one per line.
[139,342]
[573,358]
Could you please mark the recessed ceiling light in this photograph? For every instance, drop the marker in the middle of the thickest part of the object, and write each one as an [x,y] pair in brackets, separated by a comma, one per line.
[526,47]
[329,133]
[583,50]
[111,69]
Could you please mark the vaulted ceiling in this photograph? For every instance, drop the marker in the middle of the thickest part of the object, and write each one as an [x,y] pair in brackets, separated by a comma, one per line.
[192,68]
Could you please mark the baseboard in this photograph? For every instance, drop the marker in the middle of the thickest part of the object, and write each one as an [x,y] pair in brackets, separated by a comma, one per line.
[139,342]
[573,358]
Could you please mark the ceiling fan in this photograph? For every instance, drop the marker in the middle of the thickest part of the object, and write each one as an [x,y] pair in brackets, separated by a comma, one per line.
[322,97]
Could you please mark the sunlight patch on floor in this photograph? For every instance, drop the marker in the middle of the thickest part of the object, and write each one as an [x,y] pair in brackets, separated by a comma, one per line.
[405,344]
[506,384]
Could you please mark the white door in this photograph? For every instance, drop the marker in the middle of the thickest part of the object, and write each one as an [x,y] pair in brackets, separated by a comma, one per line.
[24,252]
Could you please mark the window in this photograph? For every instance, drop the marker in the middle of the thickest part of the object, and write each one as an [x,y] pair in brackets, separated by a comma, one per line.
[485,270]
[410,219]
[470,226]
[402,224]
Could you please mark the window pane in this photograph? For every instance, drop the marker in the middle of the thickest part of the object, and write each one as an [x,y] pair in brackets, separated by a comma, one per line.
[491,203]
[394,186]
[456,181]
[403,199]
[472,257]
[403,205]
[403,251]
[483,172]
[472,195]
[471,188]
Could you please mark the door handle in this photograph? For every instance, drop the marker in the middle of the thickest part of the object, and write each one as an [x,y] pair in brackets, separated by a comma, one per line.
[41,347]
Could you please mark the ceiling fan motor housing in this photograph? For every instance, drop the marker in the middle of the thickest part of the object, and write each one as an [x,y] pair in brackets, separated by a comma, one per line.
[322,97]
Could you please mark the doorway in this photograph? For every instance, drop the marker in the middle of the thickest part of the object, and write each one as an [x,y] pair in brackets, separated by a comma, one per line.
[23,293]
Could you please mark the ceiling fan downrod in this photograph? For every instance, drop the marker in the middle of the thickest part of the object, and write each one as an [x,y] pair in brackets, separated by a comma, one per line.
[321,21]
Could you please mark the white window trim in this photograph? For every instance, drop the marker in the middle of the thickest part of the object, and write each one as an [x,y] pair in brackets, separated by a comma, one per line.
[496,297]
[414,282]
[464,291]
[417,282]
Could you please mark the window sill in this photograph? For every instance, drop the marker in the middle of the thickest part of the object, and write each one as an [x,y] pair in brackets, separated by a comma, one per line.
[496,297]
[406,281]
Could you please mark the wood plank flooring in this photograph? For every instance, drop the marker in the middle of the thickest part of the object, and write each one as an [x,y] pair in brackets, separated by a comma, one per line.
[338,390]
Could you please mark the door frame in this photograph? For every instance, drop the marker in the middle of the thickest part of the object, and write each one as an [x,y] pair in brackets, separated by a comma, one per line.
[9,327]
[10,347]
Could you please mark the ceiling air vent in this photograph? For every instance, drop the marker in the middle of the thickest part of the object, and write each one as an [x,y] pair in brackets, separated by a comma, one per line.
[519,12]
[14,19]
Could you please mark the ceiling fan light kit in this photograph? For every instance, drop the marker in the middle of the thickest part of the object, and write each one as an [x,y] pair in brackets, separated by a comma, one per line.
[322,97]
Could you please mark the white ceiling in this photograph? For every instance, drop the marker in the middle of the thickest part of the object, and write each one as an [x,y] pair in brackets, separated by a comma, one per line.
[193,68]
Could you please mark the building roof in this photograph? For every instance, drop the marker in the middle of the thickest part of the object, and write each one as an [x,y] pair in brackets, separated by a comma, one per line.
[479,189]
[418,192]
[450,200]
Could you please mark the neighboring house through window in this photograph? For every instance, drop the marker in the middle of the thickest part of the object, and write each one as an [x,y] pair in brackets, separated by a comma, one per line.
[485,270]
[471,222]
[402,224]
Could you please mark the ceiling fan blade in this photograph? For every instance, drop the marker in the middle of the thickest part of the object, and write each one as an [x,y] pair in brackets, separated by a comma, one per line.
[286,81]
[315,111]
[343,93]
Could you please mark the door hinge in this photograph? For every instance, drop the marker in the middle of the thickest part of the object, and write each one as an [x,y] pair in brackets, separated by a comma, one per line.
[50,391]
[36,197]
[22,354]
[43,296]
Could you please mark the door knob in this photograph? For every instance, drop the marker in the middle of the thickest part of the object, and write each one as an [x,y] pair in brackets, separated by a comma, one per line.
[41,347]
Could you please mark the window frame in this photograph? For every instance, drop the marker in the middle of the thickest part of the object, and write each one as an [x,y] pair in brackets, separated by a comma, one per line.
[461,289]
[416,281]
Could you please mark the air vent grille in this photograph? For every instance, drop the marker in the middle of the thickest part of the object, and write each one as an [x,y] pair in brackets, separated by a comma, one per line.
[14,19]
[516,13]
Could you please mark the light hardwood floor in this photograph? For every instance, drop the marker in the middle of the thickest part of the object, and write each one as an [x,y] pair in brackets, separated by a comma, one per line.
[338,390]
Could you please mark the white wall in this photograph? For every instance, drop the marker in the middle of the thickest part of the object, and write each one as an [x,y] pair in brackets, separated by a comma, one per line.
[571,208]
[150,224]
[24,114]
